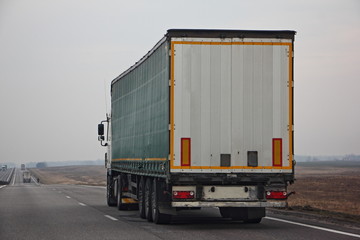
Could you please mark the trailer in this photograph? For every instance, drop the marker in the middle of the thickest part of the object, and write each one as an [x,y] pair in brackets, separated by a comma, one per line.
[26,176]
[204,119]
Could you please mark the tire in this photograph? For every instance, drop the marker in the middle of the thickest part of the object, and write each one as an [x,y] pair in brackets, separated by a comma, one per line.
[110,198]
[252,221]
[158,218]
[141,197]
[147,199]
[247,214]
[120,205]
[225,212]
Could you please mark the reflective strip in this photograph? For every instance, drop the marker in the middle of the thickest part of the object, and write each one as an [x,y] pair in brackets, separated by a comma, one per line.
[185,151]
[277,152]
[128,200]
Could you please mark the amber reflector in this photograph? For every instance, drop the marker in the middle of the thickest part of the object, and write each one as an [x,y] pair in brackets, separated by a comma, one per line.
[277,152]
[185,151]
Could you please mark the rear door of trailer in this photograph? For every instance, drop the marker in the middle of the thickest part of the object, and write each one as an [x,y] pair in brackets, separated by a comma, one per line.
[231,105]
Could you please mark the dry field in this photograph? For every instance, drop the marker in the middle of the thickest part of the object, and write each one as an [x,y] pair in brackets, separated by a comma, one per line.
[327,188]
[81,175]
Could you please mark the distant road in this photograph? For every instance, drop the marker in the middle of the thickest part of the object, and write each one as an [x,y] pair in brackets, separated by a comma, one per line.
[5,176]
[34,211]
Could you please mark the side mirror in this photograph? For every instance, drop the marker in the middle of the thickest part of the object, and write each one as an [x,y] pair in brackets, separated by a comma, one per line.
[100,129]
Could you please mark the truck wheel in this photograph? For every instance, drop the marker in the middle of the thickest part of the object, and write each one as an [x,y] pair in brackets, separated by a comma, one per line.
[225,212]
[120,185]
[256,220]
[141,198]
[111,200]
[147,199]
[248,214]
[158,218]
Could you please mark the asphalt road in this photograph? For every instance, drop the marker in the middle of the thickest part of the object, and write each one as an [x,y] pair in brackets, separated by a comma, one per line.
[36,211]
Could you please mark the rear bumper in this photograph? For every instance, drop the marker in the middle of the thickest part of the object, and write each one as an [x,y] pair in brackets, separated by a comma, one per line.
[230,178]
[229,204]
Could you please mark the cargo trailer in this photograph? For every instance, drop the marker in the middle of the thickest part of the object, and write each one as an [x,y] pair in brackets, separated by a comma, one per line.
[26,176]
[204,119]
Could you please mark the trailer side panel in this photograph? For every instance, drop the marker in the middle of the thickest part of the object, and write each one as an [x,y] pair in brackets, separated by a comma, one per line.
[140,110]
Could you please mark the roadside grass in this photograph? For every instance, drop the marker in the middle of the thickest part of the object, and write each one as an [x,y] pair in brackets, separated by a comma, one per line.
[327,188]
[80,175]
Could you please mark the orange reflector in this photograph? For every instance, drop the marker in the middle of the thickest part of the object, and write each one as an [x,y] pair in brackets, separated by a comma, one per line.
[277,152]
[128,200]
[185,151]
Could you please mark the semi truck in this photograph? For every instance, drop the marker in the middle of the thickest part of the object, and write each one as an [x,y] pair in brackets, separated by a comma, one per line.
[204,119]
[22,167]
[26,176]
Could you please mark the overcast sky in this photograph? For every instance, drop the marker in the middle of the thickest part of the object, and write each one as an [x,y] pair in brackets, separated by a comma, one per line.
[58,57]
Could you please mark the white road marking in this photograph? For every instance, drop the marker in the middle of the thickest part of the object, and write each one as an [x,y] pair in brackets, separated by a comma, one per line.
[315,227]
[68,197]
[110,217]
[2,186]
[90,186]
[34,180]
[82,204]
[14,176]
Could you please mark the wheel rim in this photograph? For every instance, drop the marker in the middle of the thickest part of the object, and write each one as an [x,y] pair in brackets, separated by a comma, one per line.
[119,196]
[154,201]
[147,203]
[141,199]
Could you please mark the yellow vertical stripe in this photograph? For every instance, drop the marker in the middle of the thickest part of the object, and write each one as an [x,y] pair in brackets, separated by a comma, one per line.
[185,152]
[277,152]
[172,82]
[290,106]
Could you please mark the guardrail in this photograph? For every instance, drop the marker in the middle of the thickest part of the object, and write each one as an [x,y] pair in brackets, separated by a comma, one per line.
[6,176]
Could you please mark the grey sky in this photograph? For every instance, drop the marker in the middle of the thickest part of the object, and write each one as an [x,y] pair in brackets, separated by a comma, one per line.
[58,57]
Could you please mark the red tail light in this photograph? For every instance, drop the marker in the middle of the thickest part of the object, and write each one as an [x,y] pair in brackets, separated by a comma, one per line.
[276,195]
[183,194]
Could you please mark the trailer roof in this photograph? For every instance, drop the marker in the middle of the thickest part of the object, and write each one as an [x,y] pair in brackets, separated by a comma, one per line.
[213,33]
[218,33]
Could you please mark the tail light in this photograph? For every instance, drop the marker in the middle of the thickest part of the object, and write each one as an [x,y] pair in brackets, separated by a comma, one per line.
[276,195]
[183,194]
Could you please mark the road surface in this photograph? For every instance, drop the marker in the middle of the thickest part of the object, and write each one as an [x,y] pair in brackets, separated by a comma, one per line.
[36,211]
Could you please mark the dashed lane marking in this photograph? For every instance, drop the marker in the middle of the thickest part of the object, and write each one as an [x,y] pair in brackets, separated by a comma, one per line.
[110,217]
[314,227]
[82,204]
[2,186]
[68,197]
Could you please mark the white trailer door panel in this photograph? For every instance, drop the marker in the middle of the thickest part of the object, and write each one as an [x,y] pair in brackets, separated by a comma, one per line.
[231,105]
